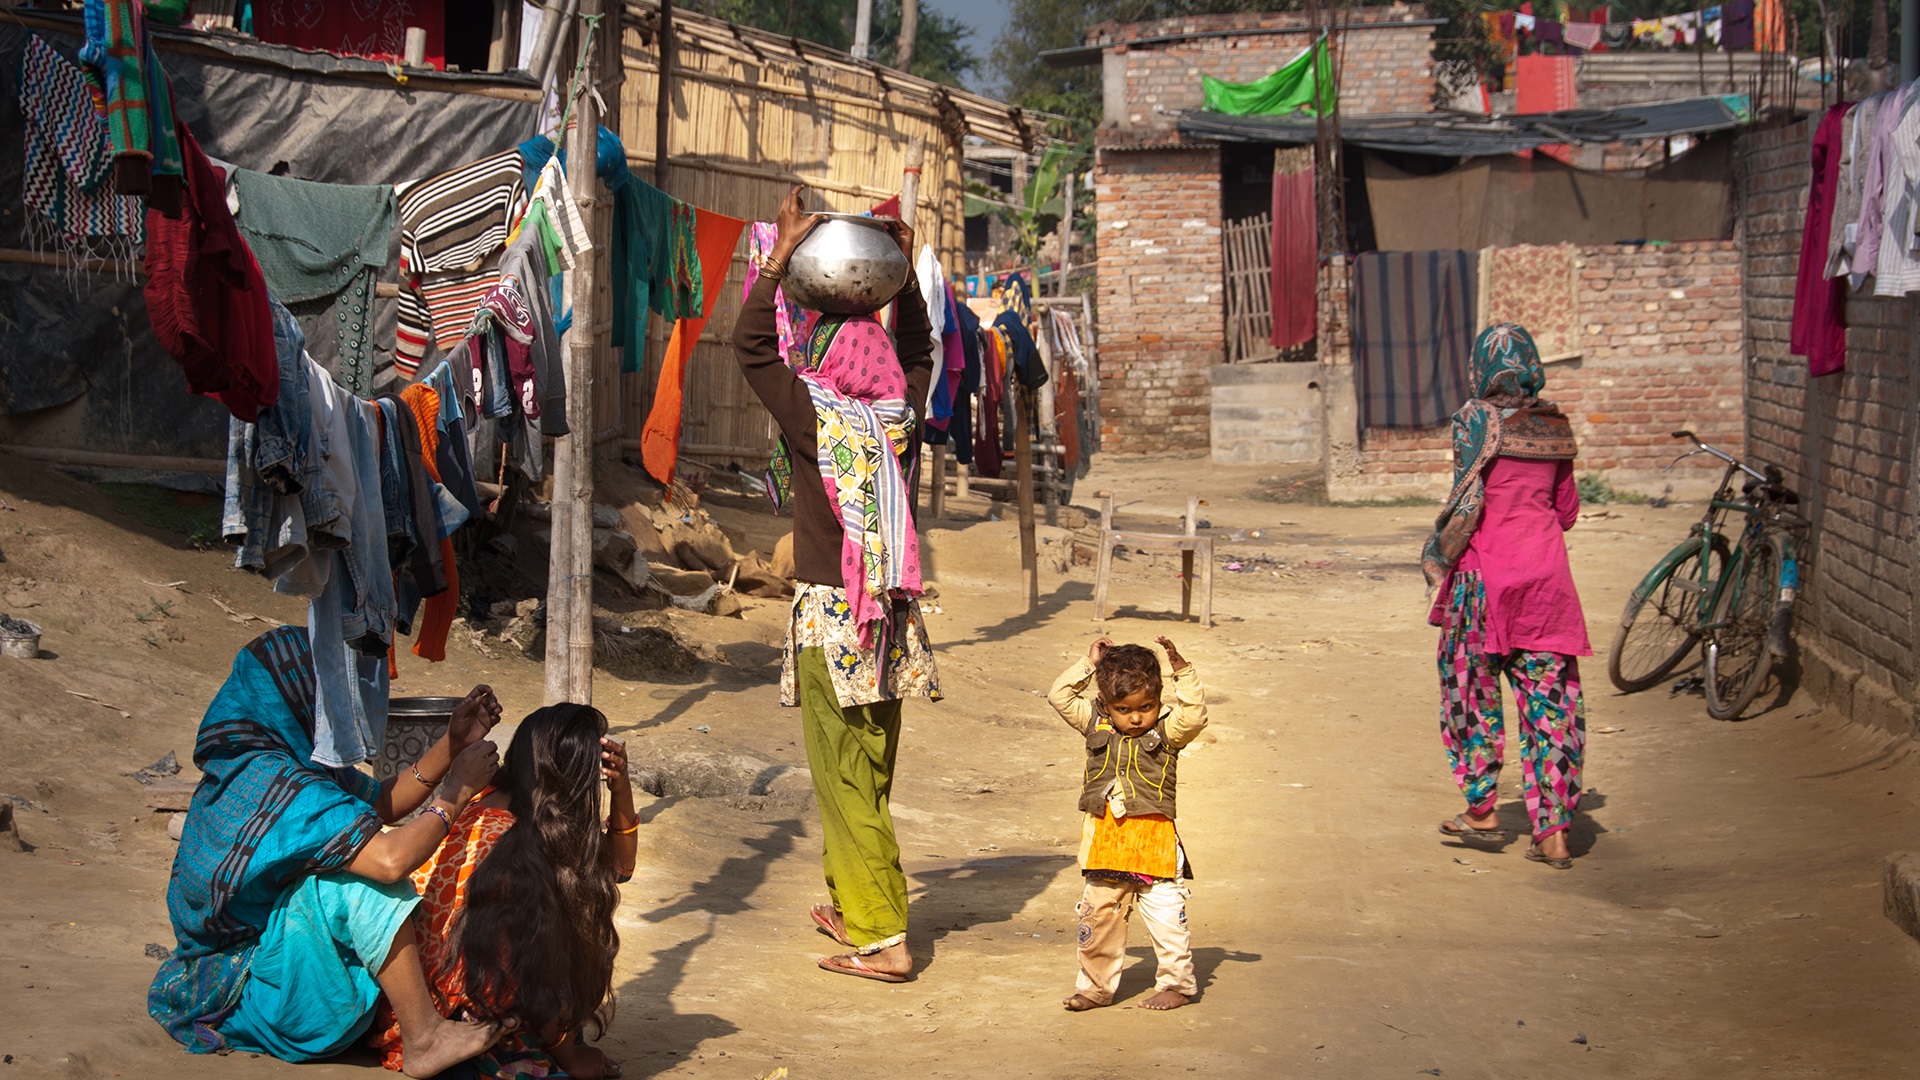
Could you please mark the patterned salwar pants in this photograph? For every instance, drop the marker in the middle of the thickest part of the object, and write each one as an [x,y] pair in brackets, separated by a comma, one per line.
[1553,723]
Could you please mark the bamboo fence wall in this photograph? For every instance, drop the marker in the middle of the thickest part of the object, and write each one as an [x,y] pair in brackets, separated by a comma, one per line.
[751,114]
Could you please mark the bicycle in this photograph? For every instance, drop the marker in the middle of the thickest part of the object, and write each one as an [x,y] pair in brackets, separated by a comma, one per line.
[1735,599]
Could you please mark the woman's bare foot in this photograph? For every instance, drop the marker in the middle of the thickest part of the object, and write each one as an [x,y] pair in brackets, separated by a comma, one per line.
[829,922]
[1553,845]
[1166,999]
[584,1062]
[892,960]
[434,1048]
[1081,1003]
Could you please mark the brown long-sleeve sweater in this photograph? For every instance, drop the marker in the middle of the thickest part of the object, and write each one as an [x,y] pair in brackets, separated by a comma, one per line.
[756,344]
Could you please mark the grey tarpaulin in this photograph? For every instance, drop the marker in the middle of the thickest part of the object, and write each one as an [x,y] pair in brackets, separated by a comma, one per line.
[302,113]
[1465,135]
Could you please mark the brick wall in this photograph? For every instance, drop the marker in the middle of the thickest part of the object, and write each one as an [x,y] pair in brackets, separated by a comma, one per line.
[1660,351]
[1162,310]
[1847,441]
[1382,71]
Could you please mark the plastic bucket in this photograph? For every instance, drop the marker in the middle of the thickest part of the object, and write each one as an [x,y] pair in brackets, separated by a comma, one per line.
[19,639]
[414,724]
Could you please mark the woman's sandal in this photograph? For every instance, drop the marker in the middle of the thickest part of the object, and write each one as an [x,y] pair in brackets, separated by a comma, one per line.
[1536,855]
[850,964]
[1461,829]
[823,917]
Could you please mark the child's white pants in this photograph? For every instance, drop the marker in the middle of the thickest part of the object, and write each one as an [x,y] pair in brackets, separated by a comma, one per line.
[1105,907]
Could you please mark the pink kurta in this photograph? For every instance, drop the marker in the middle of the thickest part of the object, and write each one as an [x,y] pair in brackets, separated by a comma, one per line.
[1521,554]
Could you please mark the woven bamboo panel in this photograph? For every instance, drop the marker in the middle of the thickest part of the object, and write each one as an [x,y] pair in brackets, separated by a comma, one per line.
[752,114]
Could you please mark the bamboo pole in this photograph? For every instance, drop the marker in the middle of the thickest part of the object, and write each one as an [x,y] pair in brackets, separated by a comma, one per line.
[1066,241]
[663,97]
[909,212]
[569,667]
[1048,423]
[1023,460]
[98,459]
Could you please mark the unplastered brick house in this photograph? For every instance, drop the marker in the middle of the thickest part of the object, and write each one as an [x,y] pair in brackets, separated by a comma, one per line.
[1659,323]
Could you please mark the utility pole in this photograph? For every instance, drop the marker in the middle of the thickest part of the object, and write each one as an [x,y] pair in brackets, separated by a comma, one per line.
[863,31]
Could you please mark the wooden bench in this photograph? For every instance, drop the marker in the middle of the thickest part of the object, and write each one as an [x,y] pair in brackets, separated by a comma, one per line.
[1187,543]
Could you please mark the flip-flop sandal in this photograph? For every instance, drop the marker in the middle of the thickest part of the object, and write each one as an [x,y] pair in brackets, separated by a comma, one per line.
[1460,829]
[854,967]
[826,925]
[1534,854]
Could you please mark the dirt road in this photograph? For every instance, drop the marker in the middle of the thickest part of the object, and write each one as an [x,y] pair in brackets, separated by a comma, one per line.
[1722,919]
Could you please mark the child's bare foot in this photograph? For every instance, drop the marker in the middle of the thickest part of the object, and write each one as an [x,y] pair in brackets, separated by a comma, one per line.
[584,1062]
[446,1044]
[1166,999]
[1081,1003]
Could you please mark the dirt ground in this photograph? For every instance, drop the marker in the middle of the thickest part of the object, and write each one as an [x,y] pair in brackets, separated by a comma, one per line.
[1722,918]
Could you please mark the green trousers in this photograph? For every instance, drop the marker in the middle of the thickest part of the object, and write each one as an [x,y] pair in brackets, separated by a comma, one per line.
[851,751]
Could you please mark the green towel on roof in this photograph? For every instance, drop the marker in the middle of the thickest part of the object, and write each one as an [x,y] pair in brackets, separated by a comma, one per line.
[1305,84]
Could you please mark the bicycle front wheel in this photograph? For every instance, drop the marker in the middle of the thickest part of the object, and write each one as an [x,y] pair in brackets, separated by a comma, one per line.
[1657,629]
[1737,659]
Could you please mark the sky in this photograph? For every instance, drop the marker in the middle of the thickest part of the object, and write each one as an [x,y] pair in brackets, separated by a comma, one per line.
[986,17]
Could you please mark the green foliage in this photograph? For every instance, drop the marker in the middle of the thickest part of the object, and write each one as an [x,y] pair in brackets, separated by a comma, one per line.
[1595,491]
[1035,26]
[195,518]
[941,51]
[1038,207]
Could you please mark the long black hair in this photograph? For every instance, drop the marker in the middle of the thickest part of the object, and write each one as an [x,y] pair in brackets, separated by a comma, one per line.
[537,934]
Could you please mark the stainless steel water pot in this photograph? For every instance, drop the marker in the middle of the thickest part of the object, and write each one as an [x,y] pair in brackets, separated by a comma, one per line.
[847,265]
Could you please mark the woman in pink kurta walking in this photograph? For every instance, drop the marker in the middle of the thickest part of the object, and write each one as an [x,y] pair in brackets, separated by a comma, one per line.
[1506,602]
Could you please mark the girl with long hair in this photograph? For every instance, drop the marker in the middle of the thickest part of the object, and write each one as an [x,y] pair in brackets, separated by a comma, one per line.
[516,912]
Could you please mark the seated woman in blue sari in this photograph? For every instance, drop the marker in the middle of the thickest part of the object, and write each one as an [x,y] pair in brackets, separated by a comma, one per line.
[290,902]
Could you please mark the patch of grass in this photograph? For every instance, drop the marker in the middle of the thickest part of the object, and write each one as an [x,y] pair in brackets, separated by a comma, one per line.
[1403,500]
[1595,491]
[193,517]
[159,608]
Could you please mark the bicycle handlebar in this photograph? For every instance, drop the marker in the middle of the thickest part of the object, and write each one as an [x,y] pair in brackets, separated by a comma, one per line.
[1771,482]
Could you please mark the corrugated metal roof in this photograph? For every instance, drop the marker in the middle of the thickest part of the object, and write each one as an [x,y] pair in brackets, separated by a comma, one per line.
[1467,135]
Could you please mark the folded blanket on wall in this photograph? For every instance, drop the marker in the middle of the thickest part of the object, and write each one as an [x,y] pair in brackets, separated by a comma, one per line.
[1533,285]
[1413,327]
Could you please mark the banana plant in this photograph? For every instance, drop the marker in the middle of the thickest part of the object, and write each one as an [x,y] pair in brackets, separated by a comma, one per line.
[1038,207]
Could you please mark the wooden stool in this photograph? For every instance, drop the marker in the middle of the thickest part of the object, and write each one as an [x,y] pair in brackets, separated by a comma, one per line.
[1188,544]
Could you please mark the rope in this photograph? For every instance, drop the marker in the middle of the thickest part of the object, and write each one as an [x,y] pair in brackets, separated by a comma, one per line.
[574,84]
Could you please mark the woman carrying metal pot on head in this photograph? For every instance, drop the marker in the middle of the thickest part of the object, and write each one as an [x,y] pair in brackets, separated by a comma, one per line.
[848,407]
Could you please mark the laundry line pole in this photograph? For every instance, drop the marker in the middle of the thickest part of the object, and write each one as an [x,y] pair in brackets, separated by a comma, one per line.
[569,661]
[909,214]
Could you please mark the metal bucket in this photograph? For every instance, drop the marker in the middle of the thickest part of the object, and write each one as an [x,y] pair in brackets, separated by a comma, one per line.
[414,724]
[19,639]
[847,265]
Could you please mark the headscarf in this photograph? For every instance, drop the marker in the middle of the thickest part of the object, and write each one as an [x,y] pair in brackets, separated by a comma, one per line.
[263,817]
[1505,416]
[864,447]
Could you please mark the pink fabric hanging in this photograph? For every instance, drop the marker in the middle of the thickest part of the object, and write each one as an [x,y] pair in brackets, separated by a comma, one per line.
[1296,250]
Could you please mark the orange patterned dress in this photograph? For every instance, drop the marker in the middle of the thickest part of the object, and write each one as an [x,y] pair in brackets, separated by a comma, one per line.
[442,883]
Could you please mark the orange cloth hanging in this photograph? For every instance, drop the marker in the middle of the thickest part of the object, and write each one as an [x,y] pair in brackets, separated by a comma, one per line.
[436,619]
[715,236]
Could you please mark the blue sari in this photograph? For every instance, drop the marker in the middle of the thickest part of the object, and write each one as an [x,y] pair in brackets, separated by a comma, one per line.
[264,819]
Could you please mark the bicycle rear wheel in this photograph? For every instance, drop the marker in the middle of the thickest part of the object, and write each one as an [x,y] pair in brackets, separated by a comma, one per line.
[1737,659]
[1657,629]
